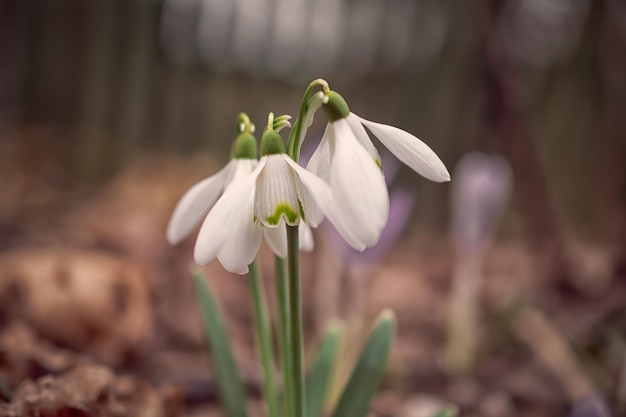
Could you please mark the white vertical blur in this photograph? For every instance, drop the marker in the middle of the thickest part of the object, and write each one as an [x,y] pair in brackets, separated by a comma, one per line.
[214,27]
[430,29]
[541,32]
[288,42]
[300,39]
[177,29]
[251,31]
[397,33]
[326,35]
[362,39]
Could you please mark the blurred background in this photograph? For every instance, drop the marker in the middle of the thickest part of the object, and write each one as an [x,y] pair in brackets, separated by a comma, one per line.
[100,82]
[111,109]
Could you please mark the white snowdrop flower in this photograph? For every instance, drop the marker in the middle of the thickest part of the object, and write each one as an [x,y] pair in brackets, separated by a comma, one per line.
[276,193]
[347,159]
[198,200]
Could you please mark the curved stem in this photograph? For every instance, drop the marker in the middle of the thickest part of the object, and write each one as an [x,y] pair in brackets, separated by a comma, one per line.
[264,338]
[295,313]
[295,135]
[282,287]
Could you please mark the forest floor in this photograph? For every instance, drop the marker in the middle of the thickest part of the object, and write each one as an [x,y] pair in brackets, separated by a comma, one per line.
[98,314]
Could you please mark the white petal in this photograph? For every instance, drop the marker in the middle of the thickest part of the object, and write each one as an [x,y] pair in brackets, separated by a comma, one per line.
[305,236]
[362,137]
[220,223]
[276,197]
[276,238]
[319,164]
[410,150]
[358,187]
[239,169]
[195,204]
[243,241]
[318,191]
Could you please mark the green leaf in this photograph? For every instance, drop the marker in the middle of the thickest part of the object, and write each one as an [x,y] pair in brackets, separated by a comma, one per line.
[368,372]
[5,391]
[320,377]
[450,411]
[229,384]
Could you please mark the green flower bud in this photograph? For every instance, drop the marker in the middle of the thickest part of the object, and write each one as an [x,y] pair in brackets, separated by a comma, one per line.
[271,143]
[336,107]
[244,147]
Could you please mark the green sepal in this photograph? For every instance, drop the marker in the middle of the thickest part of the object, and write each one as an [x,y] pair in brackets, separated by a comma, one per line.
[368,372]
[336,107]
[229,385]
[244,147]
[320,377]
[271,143]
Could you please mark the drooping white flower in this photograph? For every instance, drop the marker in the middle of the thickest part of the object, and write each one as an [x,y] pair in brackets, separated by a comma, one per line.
[198,200]
[277,193]
[347,159]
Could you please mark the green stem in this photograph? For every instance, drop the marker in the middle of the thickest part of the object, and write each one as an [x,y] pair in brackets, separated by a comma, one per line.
[295,135]
[282,287]
[295,314]
[264,337]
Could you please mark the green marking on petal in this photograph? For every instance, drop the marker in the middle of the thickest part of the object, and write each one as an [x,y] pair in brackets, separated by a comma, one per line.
[281,210]
[379,163]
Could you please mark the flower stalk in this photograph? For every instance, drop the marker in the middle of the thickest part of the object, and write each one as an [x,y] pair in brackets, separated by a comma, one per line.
[282,289]
[296,133]
[295,314]
[264,340]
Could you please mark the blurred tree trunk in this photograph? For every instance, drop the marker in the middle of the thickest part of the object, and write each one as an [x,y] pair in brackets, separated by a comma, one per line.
[508,117]
[610,173]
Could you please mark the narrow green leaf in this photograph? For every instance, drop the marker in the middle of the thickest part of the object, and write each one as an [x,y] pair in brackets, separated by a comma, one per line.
[320,377]
[450,411]
[228,381]
[5,391]
[264,340]
[368,372]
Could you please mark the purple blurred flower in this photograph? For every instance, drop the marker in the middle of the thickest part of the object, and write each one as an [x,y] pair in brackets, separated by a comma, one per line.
[480,188]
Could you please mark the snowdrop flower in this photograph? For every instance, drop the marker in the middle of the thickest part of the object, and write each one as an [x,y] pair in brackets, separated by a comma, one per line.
[276,193]
[349,162]
[198,200]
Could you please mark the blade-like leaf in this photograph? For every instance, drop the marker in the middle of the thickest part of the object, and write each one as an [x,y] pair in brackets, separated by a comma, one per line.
[448,412]
[228,381]
[368,372]
[320,376]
